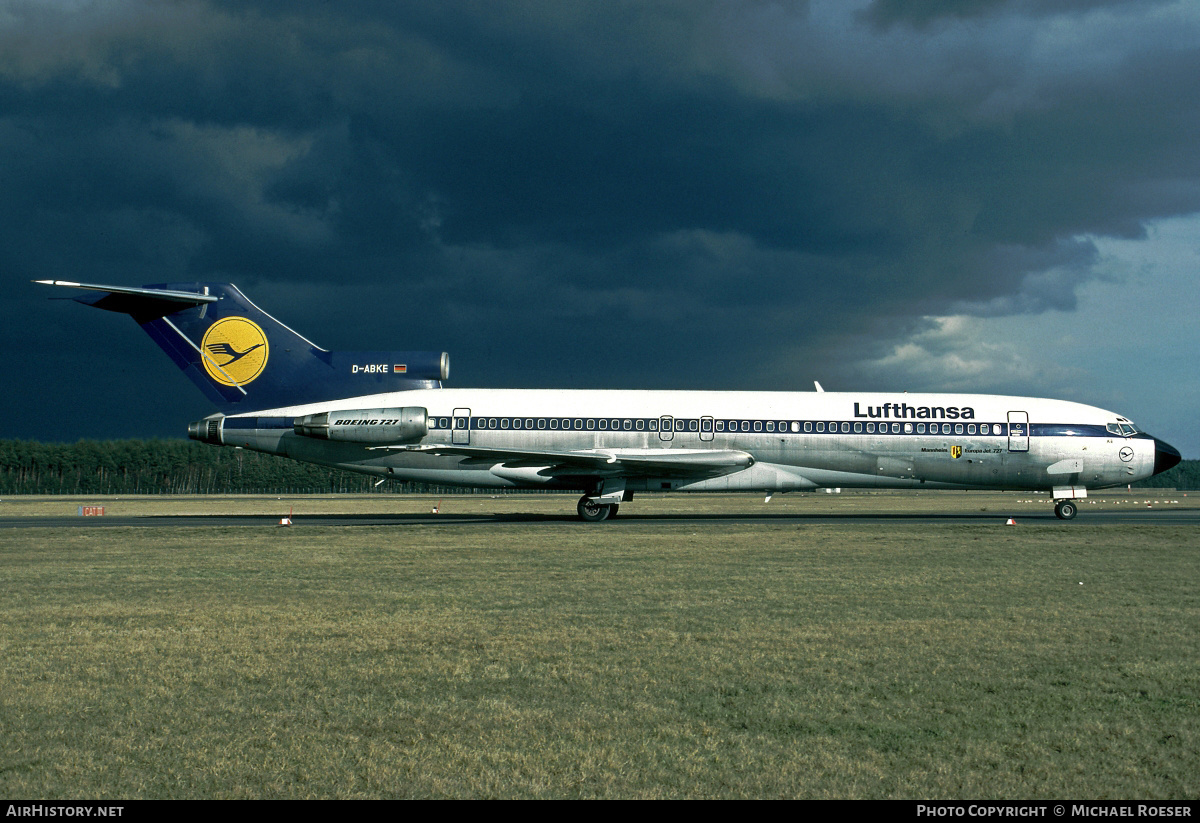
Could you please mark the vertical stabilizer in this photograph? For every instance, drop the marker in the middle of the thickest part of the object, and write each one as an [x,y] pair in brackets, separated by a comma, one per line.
[243,359]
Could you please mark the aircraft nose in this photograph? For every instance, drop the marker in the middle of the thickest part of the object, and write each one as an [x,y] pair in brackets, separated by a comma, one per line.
[1166,456]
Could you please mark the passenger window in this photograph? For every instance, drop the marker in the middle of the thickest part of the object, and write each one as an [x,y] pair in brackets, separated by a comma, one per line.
[603,425]
[996,429]
[820,426]
[720,425]
[807,426]
[795,426]
[857,428]
[504,422]
[579,425]
[758,425]
[945,428]
[895,428]
[745,425]
[641,424]
[554,422]
[970,428]
[845,428]
[870,428]
[627,425]
[770,425]
[908,428]
[920,428]
[958,428]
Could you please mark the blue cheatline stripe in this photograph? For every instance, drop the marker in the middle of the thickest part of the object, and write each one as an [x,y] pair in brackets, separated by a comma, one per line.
[259,422]
[734,426]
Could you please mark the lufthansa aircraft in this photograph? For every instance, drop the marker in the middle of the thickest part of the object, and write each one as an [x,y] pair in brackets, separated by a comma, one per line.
[386,414]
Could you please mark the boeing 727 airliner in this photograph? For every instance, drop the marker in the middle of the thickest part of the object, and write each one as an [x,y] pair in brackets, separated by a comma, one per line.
[386,414]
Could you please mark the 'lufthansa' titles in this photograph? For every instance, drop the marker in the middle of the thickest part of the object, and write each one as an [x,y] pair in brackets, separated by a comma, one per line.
[900,411]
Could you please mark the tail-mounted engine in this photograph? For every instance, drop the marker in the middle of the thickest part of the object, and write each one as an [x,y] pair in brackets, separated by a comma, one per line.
[366,425]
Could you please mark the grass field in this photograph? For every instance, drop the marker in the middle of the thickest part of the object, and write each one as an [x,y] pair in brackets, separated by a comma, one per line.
[573,660]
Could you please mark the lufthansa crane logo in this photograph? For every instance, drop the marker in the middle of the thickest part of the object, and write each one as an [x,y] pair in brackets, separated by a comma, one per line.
[234,351]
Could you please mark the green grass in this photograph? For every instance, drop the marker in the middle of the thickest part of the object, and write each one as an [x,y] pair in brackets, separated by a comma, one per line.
[568,660]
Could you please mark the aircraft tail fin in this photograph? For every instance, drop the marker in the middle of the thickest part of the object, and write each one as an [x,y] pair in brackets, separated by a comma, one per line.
[243,359]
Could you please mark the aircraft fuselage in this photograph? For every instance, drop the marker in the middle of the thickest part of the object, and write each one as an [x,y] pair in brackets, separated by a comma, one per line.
[796,440]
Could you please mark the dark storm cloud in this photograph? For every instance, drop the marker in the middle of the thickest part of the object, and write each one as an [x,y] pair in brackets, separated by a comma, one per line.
[600,194]
[925,12]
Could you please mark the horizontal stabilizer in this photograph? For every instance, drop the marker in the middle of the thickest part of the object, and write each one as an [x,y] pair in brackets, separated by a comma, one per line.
[143,304]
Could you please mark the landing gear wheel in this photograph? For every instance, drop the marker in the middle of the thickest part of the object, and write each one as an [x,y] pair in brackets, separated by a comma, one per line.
[592,511]
[1065,509]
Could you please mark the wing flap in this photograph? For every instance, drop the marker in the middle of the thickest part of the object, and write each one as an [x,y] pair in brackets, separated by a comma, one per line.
[605,461]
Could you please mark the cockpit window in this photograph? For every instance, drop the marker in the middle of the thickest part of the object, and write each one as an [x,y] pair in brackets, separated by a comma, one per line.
[1122,429]
[1128,430]
[1114,428]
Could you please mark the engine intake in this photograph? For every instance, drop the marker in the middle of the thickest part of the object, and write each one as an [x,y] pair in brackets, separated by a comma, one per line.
[365,425]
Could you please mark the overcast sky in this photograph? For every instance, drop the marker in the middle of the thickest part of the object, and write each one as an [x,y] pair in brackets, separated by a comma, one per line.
[970,195]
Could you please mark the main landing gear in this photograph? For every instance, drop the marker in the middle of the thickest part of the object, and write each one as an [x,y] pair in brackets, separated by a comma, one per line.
[1065,509]
[593,511]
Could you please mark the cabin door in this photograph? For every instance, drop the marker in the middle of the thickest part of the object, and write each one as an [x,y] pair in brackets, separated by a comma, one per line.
[1018,431]
[460,434]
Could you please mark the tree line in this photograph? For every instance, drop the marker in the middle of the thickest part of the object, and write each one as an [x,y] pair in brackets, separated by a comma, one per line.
[188,467]
[175,467]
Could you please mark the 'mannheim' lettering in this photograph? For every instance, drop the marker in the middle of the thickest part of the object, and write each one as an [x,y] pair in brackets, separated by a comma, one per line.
[899,411]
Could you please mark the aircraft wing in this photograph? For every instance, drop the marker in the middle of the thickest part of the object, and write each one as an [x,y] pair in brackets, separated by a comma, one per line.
[605,461]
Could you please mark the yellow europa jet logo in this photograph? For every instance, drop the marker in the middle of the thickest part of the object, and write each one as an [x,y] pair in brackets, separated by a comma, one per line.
[235,351]
[956,452]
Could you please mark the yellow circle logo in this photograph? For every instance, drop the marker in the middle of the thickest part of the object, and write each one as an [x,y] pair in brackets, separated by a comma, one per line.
[235,351]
